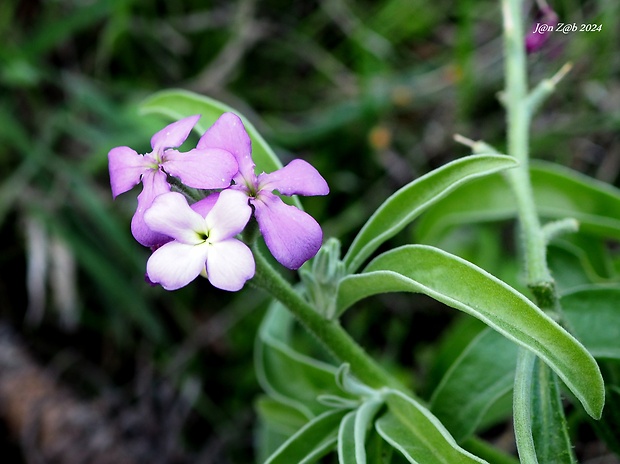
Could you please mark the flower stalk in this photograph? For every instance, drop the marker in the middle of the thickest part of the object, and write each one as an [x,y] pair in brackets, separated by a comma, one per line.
[539,278]
[328,331]
[529,404]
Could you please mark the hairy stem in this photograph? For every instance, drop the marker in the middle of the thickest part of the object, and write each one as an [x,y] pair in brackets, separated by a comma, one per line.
[539,279]
[329,332]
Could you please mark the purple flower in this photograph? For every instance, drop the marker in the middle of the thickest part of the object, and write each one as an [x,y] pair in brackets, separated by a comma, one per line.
[209,168]
[292,236]
[203,241]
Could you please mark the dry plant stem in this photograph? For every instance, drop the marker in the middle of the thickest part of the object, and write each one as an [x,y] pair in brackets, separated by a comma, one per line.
[329,332]
[539,279]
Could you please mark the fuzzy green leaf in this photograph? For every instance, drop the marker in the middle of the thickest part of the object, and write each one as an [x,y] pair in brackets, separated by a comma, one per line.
[407,203]
[418,435]
[541,430]
[464,286]
[353,431]
[549,427]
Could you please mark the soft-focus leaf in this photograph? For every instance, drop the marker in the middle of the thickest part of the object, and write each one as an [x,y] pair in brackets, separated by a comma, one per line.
[407,203]
[480,376]
[454,340]
[285,419]
[418,435]
[277,422]
[607,428]
[558,193]
[593,315]
[459,284]
[177,104]
[317,438]
[568,267]
[285,374]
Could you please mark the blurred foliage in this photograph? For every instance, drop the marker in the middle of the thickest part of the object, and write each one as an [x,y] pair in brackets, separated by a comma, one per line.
[370,92]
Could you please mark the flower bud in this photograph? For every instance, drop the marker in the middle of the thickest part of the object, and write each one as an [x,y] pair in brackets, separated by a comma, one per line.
[541,30]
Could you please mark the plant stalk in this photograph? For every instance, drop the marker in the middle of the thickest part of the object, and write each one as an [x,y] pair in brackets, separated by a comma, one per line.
[329,332]
[539,278]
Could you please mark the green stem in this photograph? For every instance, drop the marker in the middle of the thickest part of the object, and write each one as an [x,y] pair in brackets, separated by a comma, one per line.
[533,401]
[329,332]
[539,278]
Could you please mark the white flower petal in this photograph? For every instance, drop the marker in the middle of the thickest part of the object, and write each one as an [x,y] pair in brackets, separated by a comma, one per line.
[172,216]
[229,215]
[230,264]
[175,264]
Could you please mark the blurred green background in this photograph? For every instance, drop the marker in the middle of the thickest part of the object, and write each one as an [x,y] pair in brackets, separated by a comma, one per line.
[370,92]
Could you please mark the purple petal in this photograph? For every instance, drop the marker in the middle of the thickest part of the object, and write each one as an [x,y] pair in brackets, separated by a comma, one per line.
[228,133]
[175,264]
[126,166]
[205,205]
[296,178]
[229,265]
[229,215]
[292,236]
[173,135]
[154,184]
[171,215]
[204,169]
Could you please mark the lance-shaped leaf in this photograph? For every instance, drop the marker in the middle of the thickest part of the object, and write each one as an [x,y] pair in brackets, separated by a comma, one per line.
[407,203]
[549,427]
[418,435]
[287,375]
[313,441]
[177,104]
[541,430]
[481,375]
[558,193]
[464,286]
[353,431]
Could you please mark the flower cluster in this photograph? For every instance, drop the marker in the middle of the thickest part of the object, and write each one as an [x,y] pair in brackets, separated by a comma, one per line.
[199,239]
